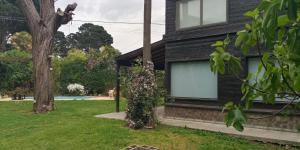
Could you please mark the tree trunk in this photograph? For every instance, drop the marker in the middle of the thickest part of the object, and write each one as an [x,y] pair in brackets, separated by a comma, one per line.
[43,95]
[3,42]
[43,25]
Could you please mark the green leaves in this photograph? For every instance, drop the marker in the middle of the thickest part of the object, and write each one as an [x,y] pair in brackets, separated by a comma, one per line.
[245,41]
[252,13]
[292,9]
[235,117]
[220,57]
[273,35]
[283,20]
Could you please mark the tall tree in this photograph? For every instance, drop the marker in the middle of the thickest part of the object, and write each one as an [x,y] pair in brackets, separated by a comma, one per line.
[89,36]
[43,25]
[60,44]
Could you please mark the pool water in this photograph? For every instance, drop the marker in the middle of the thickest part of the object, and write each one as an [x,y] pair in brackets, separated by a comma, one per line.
[67,98]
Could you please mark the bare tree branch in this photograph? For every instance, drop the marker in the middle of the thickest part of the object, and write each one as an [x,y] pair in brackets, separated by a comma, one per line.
[277,112]
[63,17]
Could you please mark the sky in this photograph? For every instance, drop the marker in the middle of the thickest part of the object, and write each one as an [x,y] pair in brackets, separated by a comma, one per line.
[127,37]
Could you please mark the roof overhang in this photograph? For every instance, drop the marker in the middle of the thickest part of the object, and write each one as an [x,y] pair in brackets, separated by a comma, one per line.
[157,52]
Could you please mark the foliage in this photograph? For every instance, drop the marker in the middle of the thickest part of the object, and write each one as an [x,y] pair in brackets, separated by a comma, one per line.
[9,26]
[94,69]
[60,44]
[273,34]
[73,123]
[72,69]
[57,63]
[100,77]
[99,80]
[89,36]
[142,97]
[76,89]
[15,72]
[21,41]
[125,77]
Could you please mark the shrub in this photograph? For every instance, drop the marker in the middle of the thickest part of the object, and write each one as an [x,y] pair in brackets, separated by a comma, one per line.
[15,72]
[142,97]
[76,89]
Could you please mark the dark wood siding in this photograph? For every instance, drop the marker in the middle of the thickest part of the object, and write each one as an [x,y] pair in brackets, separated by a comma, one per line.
[194,44]
[198,50]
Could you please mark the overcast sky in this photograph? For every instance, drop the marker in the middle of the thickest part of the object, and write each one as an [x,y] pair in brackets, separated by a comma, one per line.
[126,37]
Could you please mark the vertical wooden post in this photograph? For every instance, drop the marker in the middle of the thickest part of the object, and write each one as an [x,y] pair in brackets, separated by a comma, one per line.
[147,31]
[117,98]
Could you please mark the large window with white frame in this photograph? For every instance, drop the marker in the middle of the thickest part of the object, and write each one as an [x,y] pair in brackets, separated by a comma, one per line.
[192,13]
[193,80]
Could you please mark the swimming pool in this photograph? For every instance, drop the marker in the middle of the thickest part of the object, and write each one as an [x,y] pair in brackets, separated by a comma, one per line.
[68,98]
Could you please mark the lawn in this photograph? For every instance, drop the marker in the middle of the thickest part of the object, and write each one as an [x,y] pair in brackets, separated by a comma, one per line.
[73,127]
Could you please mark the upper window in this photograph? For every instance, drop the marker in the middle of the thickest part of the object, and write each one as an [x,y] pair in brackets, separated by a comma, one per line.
[200,12]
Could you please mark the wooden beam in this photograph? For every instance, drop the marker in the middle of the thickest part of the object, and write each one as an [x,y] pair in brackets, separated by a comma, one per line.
[117,98]
[147,31]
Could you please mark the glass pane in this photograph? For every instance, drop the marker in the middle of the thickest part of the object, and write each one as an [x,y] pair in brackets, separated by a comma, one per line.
[214,11]
[188,13]
[193,80]
[252,68]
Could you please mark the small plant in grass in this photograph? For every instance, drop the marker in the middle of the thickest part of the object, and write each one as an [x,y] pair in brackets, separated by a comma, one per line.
[142,97]
[76,89]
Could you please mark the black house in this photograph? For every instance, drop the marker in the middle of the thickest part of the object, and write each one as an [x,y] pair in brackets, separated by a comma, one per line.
[193,91]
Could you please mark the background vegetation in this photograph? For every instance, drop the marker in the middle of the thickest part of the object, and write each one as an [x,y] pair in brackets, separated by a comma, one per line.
[85,58]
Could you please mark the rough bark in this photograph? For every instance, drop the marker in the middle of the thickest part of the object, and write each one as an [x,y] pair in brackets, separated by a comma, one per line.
[3,41]
[43,26]
[43,95]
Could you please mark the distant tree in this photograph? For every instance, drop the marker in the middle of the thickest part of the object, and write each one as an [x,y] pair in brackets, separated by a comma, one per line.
[108,55]
[105,55]
[9,22]
[60,44]
[89,36]
[100,76]
[72,41]
[16,73]
[21,41]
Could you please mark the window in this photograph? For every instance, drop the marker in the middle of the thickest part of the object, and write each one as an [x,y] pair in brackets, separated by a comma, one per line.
[193,80]
[253,64]
[200,12]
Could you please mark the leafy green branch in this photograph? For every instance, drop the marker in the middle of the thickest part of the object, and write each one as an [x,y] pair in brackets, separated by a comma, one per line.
[273,36]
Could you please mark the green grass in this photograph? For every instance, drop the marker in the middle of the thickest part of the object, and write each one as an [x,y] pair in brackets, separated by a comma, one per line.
[73,127]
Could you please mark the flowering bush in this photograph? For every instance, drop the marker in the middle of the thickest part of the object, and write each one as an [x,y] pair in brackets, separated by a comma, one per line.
[76,89]
[142,97]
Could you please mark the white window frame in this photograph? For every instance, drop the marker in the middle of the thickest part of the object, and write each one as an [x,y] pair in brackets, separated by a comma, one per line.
[177,20]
